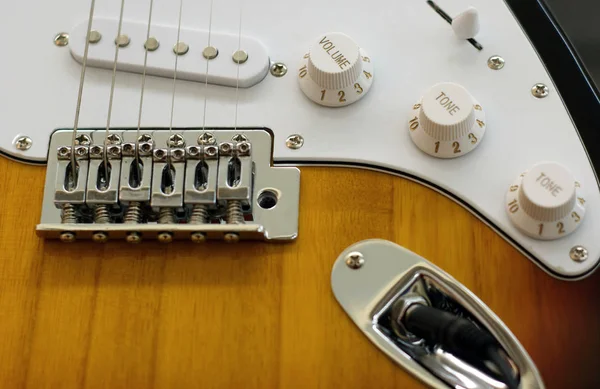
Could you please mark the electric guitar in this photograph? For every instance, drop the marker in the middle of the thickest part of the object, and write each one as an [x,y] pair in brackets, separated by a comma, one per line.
[179,178]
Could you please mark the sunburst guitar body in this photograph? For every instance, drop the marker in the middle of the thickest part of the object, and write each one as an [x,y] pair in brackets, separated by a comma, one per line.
[179,177]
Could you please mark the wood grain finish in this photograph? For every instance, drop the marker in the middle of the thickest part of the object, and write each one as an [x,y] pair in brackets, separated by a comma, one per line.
[255,315]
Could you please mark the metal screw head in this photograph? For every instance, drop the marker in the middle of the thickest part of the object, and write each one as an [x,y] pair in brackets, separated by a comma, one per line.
[179,155]
[100,237]
[113,139]
[114,151]
[193,151]
[240,57]
[578,253]
[207,139]
[540,91]
[211,151]
[151,44]
[23,143]
[165,237]
[128,148]
[279,69]
[122,40]
[239,138]
[181,48]
[145,138]
[198,237]
[176,140]
[355,260]
[294,142]
[231,237]
[145,147]
[210,52]
[81,151]
[63,151]
[133,238]
[94,37]
[160,154]
[61,39]
[96,150]
[67,237]
[83,140]
[496,62]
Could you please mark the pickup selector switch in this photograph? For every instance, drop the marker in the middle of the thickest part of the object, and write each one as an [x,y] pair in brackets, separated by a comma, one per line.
[546,202]
[336,71]
[448,122]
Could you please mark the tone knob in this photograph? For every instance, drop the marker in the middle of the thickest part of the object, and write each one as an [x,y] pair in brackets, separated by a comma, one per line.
[546,202]
[336,71]
[448,122]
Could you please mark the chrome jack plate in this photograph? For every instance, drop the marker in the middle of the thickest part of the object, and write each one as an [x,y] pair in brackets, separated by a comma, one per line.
[391,276]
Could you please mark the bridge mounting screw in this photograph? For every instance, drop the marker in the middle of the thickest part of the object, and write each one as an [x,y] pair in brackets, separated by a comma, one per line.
[176,140]
[23,143]
[83,140]
[540,90]
[278,69]
[355,260]
[496,62]
[207,139]
[239,138]
[578,254]
[294,142]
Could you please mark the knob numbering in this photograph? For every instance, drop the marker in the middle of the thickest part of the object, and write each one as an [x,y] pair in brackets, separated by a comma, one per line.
[448,122]
[546,202]
[335,72]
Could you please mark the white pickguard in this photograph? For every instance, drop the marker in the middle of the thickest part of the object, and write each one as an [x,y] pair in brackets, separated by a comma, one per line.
[411,47]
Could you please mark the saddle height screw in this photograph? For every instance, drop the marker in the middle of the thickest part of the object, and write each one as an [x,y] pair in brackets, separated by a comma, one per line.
[23,143]
[496,62]
[294,142]
[578,254]
[355,260]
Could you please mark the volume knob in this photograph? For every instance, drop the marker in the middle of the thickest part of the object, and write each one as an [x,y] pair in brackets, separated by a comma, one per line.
[546,202]
[336,71]
[448,122]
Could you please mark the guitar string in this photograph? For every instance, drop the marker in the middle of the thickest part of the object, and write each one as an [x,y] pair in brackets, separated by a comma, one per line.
[80,94]
[112,88]
[139,125]
[237,82]
[207,63]
[174,86]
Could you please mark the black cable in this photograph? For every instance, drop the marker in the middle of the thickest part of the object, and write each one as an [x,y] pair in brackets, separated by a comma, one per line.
[460,337]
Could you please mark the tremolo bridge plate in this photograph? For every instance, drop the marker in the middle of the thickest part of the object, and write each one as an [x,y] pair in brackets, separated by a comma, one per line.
[184,184]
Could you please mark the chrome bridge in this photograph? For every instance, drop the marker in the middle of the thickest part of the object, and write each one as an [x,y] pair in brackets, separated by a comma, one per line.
[184,184]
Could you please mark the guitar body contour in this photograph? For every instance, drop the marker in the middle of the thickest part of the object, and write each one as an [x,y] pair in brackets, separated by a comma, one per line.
[258,315]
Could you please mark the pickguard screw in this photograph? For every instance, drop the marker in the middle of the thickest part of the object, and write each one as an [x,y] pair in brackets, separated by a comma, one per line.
[496,62]
[95,36]
[176,140]
[279,69]
[578,254]
[540,91]
[355,260]
[82,140]
[207,139]
[240,57]
[61,39]
[23,143]
[294,142]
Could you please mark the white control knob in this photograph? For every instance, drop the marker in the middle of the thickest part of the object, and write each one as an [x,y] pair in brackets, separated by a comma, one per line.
[448,122]
[546,202]
[336,71]
[466,25]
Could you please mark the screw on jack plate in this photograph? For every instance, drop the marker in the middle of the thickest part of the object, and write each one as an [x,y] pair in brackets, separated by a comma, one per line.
[578,254]
[496,62]
[23,143]
[540,90]
[279,69]
[294,142]
[355,260]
